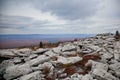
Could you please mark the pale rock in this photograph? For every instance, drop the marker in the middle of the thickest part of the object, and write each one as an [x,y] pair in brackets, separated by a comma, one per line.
[87,77]
[116,68]
[68,60]
[69,47]
[40,59]
[97,65]
[7,54]
[17,70]
[57,49]
[4,64]
[32,56]
[116,55]
[17,60]
[95,48]
[24,50]
[63,75]
[50,53]
[46,64]
[117,50]
[32,76]
[40,51]
[49,66]
[76,76]
[101,74]
[107,56]
[68,53]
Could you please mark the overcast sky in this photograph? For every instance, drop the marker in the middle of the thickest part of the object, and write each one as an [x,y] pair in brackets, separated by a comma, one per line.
[59,16]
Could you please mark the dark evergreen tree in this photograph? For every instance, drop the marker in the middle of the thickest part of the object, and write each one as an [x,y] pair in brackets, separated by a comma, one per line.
[117,35]
[41,45]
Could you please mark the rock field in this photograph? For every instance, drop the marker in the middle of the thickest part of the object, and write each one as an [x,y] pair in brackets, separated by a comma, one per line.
[93,58]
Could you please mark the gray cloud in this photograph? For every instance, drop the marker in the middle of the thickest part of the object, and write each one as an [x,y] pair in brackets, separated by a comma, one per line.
[80,16]
[73,9]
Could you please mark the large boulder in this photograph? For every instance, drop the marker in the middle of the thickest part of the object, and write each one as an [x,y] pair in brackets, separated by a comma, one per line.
[32,76]
[40,59]
[16,71]
[97,65]
[7,54]
[69,60]
[69,47]
[115,68]
[50,53]
[69,53]
[101,74]
[40,51]
[117,50]
[57,49]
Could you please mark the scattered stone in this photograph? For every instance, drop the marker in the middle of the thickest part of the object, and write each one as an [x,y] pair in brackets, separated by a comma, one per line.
[40,59]
[69,47]
[101,74]
[40,51]
[69,60]
[95,58]
[16,71]
[32,76]
[7,54]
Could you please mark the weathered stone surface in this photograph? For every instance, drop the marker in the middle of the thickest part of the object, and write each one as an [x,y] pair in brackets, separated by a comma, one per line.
[69,47]
[87,77]
[32,56]
[107,56]
[7,54]
[115,68]
[57,49]
[4,65]
[17,60]
[97,65]
[40,51]
[101,74]
[69,53]
[68,60]
[32,76]
[16,71]
[40,59]
[50,53]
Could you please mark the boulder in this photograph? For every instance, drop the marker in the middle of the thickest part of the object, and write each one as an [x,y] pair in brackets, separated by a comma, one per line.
[4,65]
[7,54]
[69,53]
[57,49]
[17,60]
[69,60]
[101,74]
[69,47]
[115,68]
[16,71]
[50,53]
[32,56]
[97,65]
[40,51]
[32,76]
[76,76]
[40,59]
[87,77]
[107,56]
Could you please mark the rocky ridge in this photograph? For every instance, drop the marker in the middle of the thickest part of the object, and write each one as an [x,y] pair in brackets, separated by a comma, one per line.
[94,58]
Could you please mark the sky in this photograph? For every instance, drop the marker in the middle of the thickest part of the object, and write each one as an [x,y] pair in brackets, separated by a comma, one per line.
[59,16]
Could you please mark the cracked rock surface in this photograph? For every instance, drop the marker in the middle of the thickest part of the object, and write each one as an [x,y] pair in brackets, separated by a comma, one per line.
[94,58]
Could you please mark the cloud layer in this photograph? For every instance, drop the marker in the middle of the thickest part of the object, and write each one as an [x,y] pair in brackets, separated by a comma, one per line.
[59,16]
